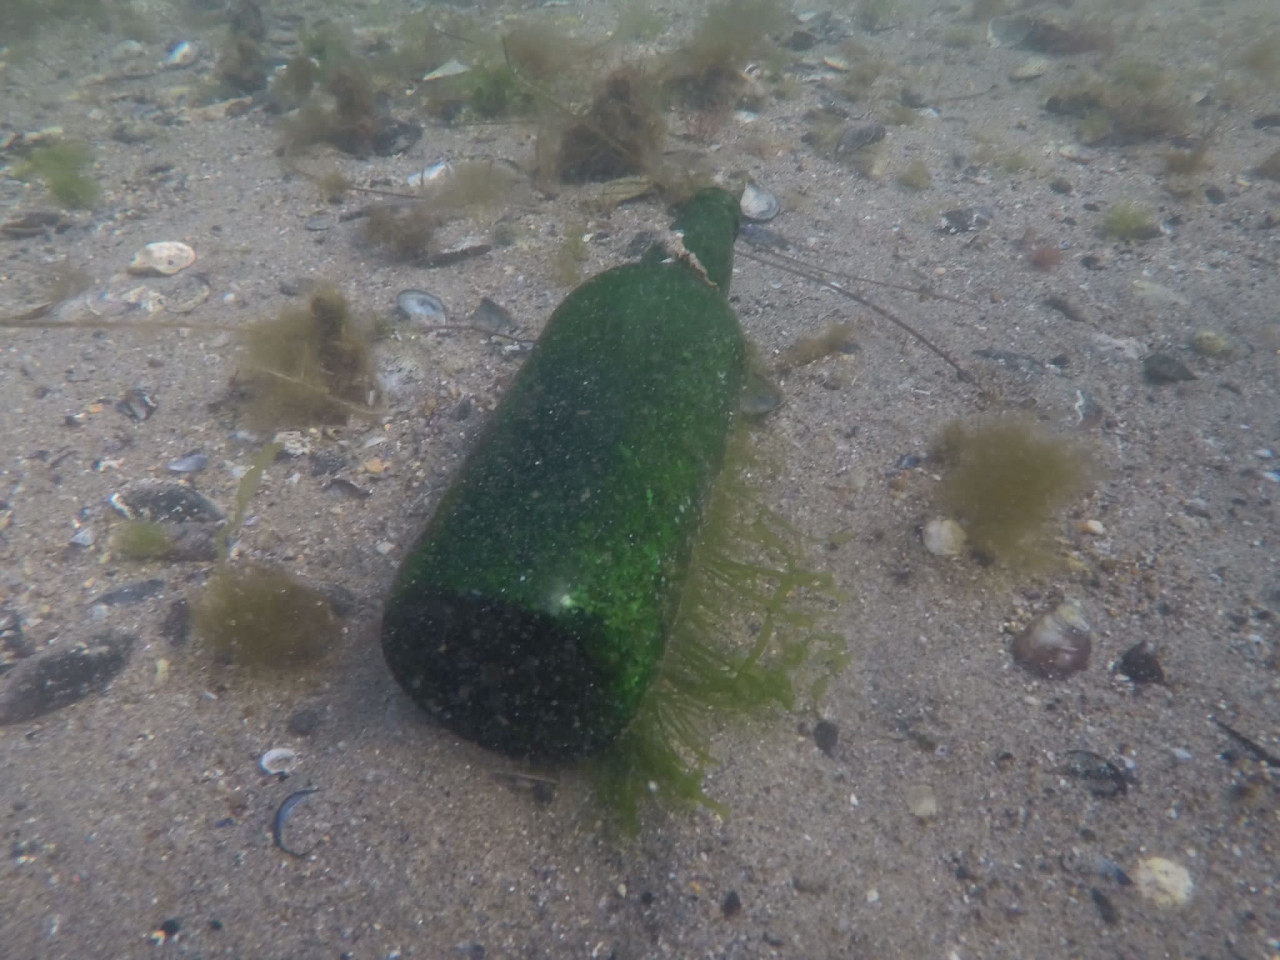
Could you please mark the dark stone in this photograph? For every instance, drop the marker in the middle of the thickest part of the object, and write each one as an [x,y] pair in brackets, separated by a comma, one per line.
[59,678]
[171,926]
[1162,368]
[303,722]
[731,906]
[825,735]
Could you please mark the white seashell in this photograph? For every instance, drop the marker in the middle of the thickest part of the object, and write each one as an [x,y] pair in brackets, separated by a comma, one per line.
[278,760]
[163,258]
[758,203]
[944,538]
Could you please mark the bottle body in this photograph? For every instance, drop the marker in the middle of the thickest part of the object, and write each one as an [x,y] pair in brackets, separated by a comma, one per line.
[533,611]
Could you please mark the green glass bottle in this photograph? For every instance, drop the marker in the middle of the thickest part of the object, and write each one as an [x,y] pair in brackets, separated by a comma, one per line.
[533,611]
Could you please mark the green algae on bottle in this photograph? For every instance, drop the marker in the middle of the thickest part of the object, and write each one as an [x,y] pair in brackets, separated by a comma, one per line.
[533,612]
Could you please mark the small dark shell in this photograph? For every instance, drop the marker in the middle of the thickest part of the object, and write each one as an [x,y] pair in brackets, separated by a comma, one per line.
[1140,664]
[1056,644]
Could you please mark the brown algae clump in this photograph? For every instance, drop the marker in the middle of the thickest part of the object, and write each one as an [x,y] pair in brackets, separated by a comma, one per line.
[1004,481]
[258,615]
[310,365]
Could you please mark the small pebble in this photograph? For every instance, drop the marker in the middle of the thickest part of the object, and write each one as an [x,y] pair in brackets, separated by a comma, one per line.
[944,538]
[922,801]
[1163,882]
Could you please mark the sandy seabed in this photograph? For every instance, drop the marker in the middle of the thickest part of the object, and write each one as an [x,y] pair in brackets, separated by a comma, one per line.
[137,821]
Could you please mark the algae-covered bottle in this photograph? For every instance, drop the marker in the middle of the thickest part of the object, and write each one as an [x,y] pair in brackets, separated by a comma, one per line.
[532,613]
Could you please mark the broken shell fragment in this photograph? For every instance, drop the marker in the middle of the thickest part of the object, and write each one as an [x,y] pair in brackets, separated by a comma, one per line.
[163,258]
[278,761]
[1056,644]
